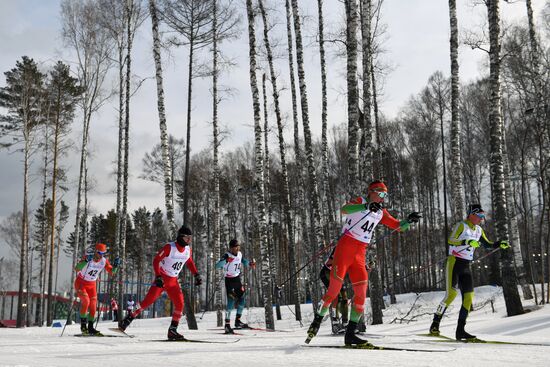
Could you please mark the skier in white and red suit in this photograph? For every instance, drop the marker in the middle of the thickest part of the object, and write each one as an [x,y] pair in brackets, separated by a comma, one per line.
[167,265]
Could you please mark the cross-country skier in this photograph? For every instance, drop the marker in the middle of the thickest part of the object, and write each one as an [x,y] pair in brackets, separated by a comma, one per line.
[130,305]
[231,263]
[88,270]
[167,265]
[362,215]
[339,305]
[114,307]
[466,236]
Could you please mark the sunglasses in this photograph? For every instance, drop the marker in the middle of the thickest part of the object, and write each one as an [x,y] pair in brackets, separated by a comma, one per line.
[102,252]
[382,194]
[480,215]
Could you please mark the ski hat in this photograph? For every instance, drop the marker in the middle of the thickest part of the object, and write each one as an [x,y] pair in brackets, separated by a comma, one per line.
[474,209]
[234,243]
[378,186]
[184,231]
[101,247]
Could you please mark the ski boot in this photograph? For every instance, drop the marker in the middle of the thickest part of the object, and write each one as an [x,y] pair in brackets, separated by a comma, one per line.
[228,330]
[126,322]
[461,334]
[84,326]
[336,325]
[434,327]
[314,327]
[92,330]
[350,338]
[173,332]
[239,324]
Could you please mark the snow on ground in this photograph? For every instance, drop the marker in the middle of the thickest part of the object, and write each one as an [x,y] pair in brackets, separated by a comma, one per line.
[43,346]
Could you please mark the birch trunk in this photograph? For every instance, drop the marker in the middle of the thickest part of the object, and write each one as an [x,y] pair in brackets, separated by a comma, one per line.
[188,136]
[315,218]
[325,179]
[367,147]
[353,97]
[297,155]
[167,164]
[216,246]
[457,185]
[498,188]
[259,174]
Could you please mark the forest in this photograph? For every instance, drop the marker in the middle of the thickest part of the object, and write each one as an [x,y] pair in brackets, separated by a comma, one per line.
[452,144]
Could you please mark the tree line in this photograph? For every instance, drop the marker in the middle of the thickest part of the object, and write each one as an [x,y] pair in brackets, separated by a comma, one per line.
[485,141]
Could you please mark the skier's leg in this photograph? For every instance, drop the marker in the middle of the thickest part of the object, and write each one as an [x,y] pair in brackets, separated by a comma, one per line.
[451,276]
[467,290]
[359,280]
[151,296]
[175,294]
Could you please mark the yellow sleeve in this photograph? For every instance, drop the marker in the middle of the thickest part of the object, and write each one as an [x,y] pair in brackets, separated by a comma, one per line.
[453,239]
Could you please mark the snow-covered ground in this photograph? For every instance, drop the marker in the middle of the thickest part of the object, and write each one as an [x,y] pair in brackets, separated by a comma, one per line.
[43,346]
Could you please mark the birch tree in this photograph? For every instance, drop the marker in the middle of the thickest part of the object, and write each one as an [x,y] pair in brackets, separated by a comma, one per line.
[509,280]
[259,174]
[457,186]
[315,217]
[83,34]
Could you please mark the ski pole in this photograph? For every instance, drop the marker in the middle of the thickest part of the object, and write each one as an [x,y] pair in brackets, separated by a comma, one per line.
[69,312]
[211,298]
[430,265]
[318,253]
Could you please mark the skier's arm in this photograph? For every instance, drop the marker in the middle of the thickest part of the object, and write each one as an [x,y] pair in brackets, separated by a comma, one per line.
[165,251]
[354,206]
[220,264]
[485,241]
[112,270]
[245,262]
[454,237]
[83,261]
[389,221]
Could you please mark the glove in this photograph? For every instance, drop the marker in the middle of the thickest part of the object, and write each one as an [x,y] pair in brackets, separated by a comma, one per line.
[472,243]
[159,282]
[253,264]
[414,217]
[89,258]
[404,226]
[373,207]
[198,279]
[116,262]
[225,256]
[503,244]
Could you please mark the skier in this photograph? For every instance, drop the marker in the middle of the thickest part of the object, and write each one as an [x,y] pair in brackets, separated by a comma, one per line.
[88,270]
[339,305]
[362,216]
[114,307]
[466,236]
[130,306]
[167,265]
[231,264]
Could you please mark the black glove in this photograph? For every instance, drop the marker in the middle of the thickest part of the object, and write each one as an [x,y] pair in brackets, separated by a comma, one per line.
[414,217]
[116,262]
[159,282]
[373,207]
[225,256]
[198,279]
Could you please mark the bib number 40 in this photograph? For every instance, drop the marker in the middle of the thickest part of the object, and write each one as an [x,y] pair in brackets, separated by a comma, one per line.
[177,265]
